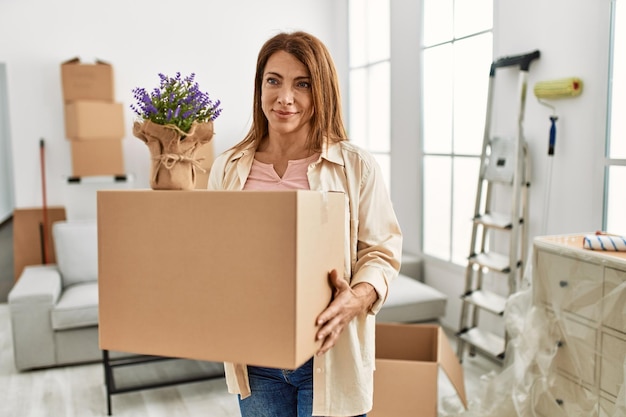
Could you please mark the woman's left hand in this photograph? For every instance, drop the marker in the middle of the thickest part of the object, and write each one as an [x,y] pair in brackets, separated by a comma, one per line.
[346,304]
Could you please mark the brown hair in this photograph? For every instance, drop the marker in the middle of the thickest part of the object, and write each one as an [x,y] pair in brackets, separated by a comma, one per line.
[327,120]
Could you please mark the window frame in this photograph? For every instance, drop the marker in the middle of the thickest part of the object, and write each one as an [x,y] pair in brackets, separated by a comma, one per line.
[609,161]
[368,65]
[454,255]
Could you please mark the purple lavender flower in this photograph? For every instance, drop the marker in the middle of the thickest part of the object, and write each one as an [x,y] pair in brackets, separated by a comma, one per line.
[178,101]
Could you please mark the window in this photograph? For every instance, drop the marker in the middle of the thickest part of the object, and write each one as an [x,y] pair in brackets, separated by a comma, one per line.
[456,57]
[615,162]
[369,85]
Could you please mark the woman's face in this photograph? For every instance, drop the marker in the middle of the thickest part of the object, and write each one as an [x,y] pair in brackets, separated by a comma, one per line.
[286,96]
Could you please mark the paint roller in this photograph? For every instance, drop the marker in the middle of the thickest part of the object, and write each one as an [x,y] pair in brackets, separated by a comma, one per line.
[556,89]
[549,90]
[565,87]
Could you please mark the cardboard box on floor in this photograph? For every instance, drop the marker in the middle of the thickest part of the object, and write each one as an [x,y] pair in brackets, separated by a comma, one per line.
[87,81]
[408,357]
[235,276]
[28,248]
[92,119]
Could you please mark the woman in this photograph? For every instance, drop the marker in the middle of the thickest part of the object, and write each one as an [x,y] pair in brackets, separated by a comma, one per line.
[297,141]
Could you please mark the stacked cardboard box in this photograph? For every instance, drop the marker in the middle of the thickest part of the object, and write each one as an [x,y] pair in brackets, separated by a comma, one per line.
[94,122]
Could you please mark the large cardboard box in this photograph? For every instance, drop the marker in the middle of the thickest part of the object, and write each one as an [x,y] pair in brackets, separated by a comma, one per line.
[87,81]
[97,157]
[236,276]
[91,119]
[408,358]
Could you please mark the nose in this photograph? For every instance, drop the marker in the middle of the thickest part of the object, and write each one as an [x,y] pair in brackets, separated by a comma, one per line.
[285,96]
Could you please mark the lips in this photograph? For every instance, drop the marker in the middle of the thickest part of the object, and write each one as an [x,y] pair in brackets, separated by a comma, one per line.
[283,113]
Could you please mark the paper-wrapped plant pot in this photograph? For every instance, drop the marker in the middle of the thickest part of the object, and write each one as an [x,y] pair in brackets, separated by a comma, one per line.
[173,153]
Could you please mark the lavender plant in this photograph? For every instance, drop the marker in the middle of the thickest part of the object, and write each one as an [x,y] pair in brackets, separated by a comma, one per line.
[177,101]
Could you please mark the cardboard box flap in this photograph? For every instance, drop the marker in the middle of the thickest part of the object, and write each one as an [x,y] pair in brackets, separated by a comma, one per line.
[451,366]
[87,80]
[76,60]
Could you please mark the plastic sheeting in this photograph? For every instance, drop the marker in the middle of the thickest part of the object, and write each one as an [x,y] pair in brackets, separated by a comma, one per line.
[534,377]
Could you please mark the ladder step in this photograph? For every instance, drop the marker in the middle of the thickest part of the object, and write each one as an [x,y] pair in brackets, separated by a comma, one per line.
[491,260]
[494,220]
[487,300]
[488,343]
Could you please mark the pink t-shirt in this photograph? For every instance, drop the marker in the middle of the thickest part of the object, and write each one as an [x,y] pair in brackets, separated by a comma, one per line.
[263,177]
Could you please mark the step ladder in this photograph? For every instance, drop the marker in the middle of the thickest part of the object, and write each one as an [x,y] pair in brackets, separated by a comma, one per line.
[499,227]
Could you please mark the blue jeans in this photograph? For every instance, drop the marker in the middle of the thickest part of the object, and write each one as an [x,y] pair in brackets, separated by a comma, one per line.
[279,392]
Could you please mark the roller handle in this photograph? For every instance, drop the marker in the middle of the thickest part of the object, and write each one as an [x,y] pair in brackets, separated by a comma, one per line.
[552,140]
[508,61]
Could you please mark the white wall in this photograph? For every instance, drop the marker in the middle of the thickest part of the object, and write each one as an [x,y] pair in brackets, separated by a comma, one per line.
[6,166]
[218,40]
[573,38]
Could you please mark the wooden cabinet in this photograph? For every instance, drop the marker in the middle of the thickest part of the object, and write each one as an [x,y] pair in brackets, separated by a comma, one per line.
[583,295]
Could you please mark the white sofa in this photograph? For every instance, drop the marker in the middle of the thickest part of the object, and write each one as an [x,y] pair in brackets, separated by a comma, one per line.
[409,299]
[54,308]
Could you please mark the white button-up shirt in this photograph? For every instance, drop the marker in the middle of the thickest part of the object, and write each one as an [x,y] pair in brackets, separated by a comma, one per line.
[343,377]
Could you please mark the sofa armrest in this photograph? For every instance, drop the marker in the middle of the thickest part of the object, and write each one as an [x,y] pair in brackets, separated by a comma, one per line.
[38,284]
[30,302]
[412,266]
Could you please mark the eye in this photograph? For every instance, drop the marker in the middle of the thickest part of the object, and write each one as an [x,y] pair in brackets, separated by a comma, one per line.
[271,81]
[304,84]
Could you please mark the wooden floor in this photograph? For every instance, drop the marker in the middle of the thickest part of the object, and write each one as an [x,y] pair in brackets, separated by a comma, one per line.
[79,391]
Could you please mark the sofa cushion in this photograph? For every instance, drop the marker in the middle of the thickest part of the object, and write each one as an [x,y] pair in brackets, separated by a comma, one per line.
[77,307]
[76,250]
[410,300]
